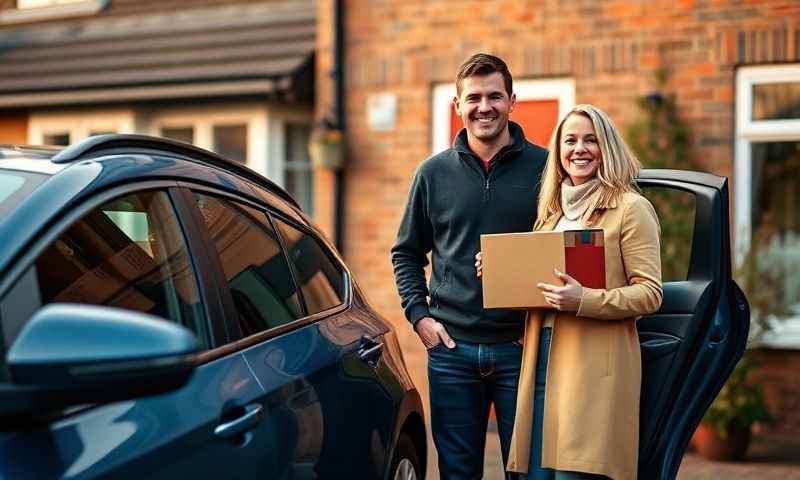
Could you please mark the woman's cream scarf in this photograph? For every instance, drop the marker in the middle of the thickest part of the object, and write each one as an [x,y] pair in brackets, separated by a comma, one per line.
[576,199]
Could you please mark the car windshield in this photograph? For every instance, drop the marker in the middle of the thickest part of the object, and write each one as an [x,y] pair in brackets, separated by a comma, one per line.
[15,185]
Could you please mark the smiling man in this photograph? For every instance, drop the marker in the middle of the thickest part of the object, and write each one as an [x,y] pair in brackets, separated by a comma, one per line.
[488,182]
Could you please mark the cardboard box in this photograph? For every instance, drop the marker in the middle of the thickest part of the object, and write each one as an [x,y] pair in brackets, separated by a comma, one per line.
[513,263]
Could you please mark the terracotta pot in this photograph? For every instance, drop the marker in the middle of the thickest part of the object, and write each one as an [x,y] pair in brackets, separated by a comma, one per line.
[710,445]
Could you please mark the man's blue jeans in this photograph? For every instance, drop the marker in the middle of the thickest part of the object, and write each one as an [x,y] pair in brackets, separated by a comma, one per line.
[464,382]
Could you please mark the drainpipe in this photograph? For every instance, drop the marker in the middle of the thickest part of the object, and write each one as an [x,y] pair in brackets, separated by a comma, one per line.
[339,116]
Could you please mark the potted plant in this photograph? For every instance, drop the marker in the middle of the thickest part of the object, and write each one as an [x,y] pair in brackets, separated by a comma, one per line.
[724,433]
[326,147]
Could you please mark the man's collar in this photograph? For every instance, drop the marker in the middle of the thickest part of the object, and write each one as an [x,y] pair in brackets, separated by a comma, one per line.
[461,144]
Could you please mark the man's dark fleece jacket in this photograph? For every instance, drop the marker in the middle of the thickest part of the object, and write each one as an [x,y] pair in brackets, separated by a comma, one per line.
[452,201]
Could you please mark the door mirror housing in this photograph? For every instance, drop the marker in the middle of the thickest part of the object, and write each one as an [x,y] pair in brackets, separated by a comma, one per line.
[70,354]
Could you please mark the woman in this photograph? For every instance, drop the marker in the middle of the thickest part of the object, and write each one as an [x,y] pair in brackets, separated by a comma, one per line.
[578,399]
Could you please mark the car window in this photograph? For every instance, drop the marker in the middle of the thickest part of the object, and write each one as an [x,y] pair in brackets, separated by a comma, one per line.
[321,279]
[255,267]
[676,212]
[129,253]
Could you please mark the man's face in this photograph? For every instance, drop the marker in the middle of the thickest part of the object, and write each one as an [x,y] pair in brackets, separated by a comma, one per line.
[484,106]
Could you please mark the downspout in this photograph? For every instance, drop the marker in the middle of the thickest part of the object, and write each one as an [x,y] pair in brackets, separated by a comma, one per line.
[339,116]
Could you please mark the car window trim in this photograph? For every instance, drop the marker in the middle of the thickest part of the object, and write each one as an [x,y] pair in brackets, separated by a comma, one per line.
[245,342]
[203,269]
[50,232]
[259,204]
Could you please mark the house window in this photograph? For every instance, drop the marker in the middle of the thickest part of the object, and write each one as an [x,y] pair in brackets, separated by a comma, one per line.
[56,138]
[70,127]
[230,141]
[236,133]
[182,134]
[767,205]
[22,11]
[43,3]
[298,174]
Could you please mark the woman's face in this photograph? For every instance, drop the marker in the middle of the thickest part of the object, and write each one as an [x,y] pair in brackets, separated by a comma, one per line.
[580,152]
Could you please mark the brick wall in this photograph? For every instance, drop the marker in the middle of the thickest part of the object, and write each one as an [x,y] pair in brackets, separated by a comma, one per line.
[612,49]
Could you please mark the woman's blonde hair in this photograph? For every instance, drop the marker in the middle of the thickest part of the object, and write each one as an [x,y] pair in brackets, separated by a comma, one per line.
[617,173]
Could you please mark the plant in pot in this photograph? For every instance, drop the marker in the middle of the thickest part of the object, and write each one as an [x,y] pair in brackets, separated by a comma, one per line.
[725,431]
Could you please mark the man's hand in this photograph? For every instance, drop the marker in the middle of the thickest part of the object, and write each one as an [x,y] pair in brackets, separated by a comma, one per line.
[479,264]
[432,333]
[566,298]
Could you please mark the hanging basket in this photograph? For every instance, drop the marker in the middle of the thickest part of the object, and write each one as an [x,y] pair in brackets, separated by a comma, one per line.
[327,149]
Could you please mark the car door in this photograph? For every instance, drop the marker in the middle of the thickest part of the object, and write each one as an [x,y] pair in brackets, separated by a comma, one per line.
[328,411]
[128,250]
[690,346]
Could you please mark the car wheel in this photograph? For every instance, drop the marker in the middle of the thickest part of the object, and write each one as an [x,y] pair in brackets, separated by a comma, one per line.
[405,463]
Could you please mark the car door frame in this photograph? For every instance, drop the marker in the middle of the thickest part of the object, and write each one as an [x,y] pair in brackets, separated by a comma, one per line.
[237,341]
[720,341]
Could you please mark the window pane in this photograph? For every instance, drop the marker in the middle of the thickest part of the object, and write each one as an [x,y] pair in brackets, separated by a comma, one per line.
[256,269]
[299,183]
[299,174]
[56,139]
[321,280]
[774,257]
[676,211]
[230,141]
[130,254]
[774,101]
[182,134]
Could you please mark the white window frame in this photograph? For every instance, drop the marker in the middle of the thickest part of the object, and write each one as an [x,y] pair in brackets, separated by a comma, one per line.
[202,119]
[561,89]
[279,119]
[55,9]
[79,124]
[786,334]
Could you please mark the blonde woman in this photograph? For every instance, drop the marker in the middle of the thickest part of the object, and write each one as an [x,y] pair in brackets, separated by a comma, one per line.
[577,411]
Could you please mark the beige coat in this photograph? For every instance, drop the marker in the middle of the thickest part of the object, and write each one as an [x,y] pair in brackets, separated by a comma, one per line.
[591,412]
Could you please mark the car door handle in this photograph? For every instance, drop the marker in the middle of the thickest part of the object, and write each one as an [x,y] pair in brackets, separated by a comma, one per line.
[252,416]
[370,351]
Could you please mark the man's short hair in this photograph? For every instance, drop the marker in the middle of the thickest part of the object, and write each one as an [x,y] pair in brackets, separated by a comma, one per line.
[484,64]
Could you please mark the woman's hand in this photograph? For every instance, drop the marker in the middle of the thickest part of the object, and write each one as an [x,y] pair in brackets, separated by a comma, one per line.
[479,264]
[566,298]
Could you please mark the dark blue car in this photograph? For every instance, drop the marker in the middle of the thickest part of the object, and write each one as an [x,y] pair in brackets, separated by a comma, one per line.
[166,313]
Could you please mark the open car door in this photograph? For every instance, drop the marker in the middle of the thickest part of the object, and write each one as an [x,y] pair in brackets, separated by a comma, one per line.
[690,346]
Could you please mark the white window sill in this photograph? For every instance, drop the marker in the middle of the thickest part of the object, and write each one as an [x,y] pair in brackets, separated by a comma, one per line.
[785,335]
[26,15]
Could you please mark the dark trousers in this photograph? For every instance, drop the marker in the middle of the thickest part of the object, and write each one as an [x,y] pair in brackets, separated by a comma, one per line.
[464,383]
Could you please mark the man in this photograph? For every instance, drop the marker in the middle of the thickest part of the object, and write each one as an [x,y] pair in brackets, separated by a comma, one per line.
[486,183]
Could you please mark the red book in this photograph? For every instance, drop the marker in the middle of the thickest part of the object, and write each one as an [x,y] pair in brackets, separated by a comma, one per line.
[584,257]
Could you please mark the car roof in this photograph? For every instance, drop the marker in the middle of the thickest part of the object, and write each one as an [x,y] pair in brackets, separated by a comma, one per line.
[29,159]
[52,159]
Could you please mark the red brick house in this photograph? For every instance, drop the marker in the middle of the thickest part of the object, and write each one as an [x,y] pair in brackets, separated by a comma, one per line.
[733,68]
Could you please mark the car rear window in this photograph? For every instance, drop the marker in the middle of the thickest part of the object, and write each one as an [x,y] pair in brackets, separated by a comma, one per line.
[15,186]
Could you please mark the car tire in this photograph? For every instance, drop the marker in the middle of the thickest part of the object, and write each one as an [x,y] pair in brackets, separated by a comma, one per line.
[405,462]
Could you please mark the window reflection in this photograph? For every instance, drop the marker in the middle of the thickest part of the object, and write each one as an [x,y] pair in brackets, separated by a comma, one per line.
[257,271]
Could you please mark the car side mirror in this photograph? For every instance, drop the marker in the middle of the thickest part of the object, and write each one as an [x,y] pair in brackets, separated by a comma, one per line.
[70,354]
